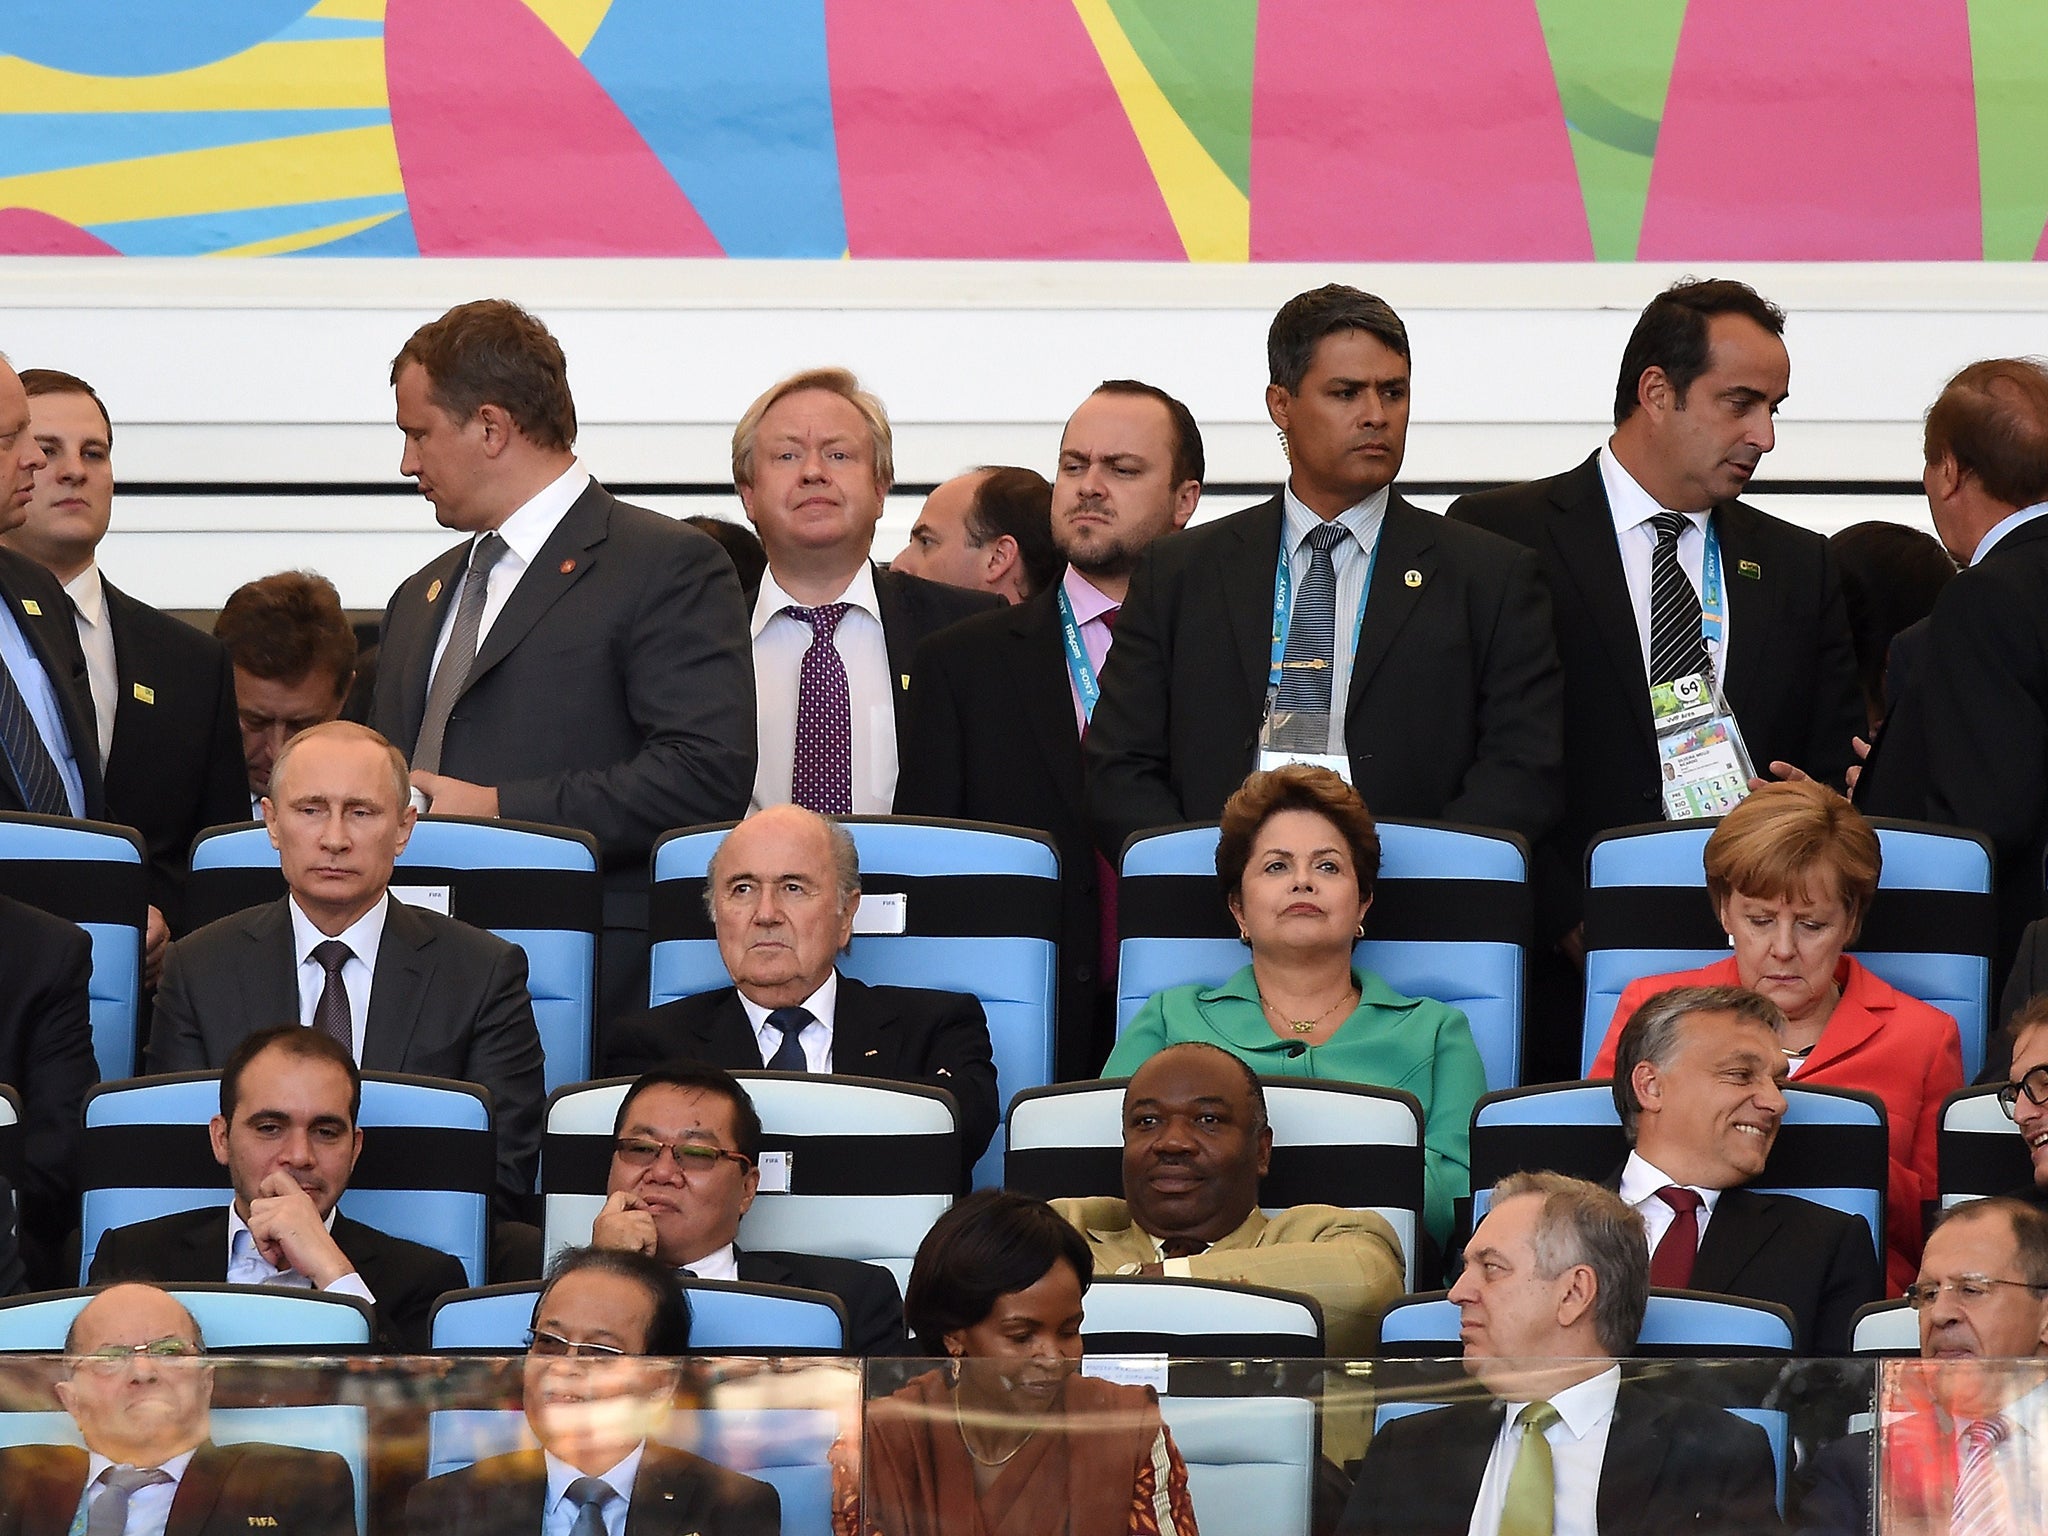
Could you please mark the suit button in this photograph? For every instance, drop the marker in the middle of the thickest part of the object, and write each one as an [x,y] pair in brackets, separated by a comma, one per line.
[1650,795]
[1084,973]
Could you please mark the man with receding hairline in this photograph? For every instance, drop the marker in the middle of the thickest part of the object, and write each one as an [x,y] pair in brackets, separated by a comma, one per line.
[989,530]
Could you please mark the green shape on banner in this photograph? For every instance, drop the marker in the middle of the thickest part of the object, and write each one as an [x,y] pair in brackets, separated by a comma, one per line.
[1612,59]
[1199,52]
[2009,56]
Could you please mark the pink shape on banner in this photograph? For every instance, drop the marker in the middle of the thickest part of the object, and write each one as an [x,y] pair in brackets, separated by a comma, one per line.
[1828,130]
[509,148]
[31,232]
[1386,130]
[986,128]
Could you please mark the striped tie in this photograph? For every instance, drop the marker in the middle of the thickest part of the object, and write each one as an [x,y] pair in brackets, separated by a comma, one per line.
[1676,648]
[1312,630]
[35,771]
[1982,1507]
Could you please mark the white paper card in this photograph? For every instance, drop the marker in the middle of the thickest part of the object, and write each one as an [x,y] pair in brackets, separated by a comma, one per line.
[882,912]
[1337,762]
[775,1169]
[433,898]
[1129,1370]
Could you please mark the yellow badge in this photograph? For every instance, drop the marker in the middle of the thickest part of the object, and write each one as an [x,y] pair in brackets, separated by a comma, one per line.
[145,694]
[434,590]
[1750,569]
[905,680]
[1412,579]
[31,607]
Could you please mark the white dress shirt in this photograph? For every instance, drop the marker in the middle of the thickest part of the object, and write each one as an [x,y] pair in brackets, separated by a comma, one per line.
[96,638]
[815,1037]
[247,1266]
[1578,1445]
[149,1509]
[362,937]
[558,1513]
[1640,1181]
[1350,559]
[523,532]
[1633,507]
[719,1264]
[780,641]
[2004,526]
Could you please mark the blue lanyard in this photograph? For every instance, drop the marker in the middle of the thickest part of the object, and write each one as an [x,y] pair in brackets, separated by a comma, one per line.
[1283,605]
[1711,616]
[1079,667]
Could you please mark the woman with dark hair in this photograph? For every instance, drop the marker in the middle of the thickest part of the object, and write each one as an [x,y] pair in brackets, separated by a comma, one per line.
[1007,1439]
[1891,575]
[1297,858]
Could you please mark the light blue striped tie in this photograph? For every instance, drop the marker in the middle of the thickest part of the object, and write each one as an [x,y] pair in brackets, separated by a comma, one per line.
[35,771]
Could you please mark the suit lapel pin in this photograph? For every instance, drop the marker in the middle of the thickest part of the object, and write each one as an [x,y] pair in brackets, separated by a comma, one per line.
[866,1054]
[434,590]
[1412,579]
[144,694]
[31,607]
[568,566]
[1750,569]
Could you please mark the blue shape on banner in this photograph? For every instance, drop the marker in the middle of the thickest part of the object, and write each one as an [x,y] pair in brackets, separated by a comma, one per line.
[394,237]
[57,141]
[142,37]
[201,234]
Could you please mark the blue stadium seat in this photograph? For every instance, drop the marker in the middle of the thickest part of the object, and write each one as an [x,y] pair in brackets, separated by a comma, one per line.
[1251,1461]
[94,875]
[1209,1319]
[951,905]
[426,1172]
[1979,1150]
[1677,1324]
[726,1317]
[1450,920]
[230,1317]
[867,1164]
[1885,1328]
[1333,1144]
[1930,932]
[531,885]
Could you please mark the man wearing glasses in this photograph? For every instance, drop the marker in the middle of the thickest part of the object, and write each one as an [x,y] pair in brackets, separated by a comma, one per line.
[596,1403]
[686,1141]
[140,1392]
[2025,1095]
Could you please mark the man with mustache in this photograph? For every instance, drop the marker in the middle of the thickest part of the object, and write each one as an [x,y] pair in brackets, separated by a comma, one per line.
[1697,1079]
[1631,544]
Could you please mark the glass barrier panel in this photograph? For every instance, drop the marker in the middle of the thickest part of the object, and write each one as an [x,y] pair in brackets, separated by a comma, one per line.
[1955,1445]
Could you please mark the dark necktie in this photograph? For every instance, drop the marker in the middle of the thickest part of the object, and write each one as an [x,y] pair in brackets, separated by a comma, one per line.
[1181,1247]
[1676,649]
[589,1494]
[789,1055]
[459,656]
[1671,1265]
[1312,629]
[821,779]
[109,1513]
[330,1014]
[35,771]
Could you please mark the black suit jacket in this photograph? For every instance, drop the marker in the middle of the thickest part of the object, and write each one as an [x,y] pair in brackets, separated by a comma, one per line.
[176,766]
[992,737]
[191,1248]
[912,610]
[904,1034]
[874,1306]
[1670,1466]
[1791,667]
[1455,688]
[446,1000]
[13,1274]
[227,1490]
[53,636]
[46,1054]
[673,1493]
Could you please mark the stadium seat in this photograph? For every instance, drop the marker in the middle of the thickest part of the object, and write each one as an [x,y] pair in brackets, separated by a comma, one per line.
[1134,1315]
[1979,1150]
[232,1319]
[726,1317]
[1251,1461]
[950,905]
[1450,920]
[1885,1328]
[1677,1325]
[94,875]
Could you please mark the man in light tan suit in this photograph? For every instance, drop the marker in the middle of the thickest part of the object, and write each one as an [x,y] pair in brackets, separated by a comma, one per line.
[1196,1143]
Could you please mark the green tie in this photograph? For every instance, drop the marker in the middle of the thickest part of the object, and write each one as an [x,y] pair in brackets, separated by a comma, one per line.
[1532,1489]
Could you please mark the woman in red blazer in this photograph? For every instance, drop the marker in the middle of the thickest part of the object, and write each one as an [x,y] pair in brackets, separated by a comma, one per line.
[1790,872]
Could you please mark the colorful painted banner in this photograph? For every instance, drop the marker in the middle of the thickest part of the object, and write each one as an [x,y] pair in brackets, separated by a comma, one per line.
[1176,130]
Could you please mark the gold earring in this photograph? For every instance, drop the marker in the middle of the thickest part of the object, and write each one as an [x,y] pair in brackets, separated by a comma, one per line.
[1361,930]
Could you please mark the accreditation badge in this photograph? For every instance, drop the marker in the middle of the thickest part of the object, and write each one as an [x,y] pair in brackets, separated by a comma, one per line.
[1700,753]
[1299,736]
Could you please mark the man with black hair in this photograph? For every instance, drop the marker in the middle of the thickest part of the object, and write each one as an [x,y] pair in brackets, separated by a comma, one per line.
[989,530]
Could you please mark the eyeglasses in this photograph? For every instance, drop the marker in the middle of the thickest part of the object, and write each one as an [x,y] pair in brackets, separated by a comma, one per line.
[1969,1289]
[118,1357]
[540,1342]
[691,1156]
[2034,1084]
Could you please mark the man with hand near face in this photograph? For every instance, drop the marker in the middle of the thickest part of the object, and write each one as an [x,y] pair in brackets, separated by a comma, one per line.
[595,1401]
[141,1394]
[685,1168]
[287,1135]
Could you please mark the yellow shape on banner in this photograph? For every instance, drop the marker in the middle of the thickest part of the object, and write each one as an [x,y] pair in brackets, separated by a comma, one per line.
[330,73]
[349,10]
[575,22]
[315,167]
[1213,218]
[281,245]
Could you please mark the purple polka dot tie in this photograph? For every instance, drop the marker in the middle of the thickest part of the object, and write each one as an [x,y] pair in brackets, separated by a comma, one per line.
[822,776]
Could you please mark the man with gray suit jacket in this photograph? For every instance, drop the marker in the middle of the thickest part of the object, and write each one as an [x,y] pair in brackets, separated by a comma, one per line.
[405,990]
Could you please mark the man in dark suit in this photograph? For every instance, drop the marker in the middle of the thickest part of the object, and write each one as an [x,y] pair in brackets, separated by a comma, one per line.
[595,1402]
[1697,1078]
[404,989]
[1701,379]
[141,1392]
[578,662]
[163,695]
[989,530]
[287,1135]
[46,1057]
[834,634]
[1414,656]
[998,703]
[1552,1294]
[783,888]
[1967,744]
[689,1112]
[293,653]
